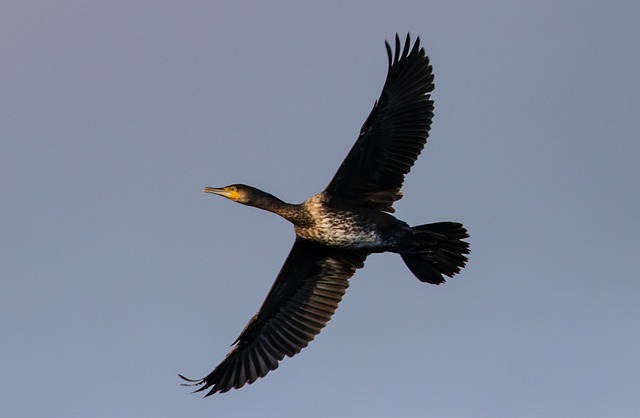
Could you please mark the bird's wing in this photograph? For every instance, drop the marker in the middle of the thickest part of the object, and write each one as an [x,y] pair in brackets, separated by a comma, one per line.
[305,294]
[393,135]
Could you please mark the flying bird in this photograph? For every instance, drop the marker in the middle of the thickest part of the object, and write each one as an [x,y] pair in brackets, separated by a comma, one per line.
[338,228]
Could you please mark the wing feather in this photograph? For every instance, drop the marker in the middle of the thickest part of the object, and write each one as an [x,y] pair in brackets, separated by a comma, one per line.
[302,300]
[392,137]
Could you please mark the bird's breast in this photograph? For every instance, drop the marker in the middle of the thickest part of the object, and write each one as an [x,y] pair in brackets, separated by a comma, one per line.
[343,232]
[337,228]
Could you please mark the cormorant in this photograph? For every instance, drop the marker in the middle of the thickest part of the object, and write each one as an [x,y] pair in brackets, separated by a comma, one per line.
[338,228]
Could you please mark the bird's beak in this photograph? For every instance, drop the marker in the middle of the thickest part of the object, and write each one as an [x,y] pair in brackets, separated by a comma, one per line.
[222,191]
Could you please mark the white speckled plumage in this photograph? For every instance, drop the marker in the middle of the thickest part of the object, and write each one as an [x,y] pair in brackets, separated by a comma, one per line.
[338,228]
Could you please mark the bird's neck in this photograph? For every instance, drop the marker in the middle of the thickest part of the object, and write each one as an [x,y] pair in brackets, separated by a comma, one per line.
[272,204]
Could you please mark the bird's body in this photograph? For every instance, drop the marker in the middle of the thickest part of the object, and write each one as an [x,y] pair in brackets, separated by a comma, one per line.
[344,227]
[338,228]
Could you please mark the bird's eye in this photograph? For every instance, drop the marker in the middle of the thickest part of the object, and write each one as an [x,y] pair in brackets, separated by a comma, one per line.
[233,189]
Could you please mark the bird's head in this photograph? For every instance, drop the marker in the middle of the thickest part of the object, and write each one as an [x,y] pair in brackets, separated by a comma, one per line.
[246,195]
[235,192]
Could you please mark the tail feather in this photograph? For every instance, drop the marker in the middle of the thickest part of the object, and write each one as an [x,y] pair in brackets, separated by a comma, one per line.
[440,251]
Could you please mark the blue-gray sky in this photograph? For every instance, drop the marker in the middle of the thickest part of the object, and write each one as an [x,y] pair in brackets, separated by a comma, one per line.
[117,273]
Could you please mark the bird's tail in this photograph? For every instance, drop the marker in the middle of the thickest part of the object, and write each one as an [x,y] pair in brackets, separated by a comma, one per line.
[440,251]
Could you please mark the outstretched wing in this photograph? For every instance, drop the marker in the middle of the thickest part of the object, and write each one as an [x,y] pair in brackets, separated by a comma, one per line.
[393,135]
[303,298]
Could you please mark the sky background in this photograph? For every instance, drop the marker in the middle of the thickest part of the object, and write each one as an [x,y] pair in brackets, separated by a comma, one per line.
[117,272]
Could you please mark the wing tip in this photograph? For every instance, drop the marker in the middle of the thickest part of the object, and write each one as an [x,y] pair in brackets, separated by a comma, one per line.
[394,55]
[206,382]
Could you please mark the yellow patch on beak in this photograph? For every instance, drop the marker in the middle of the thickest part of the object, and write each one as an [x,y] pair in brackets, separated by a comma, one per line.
[232,193]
